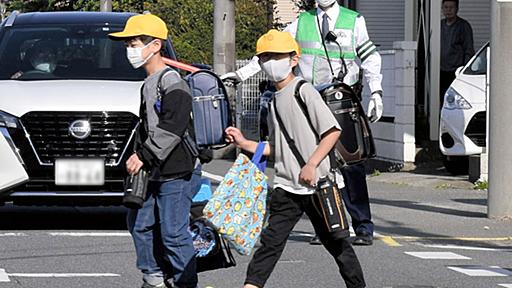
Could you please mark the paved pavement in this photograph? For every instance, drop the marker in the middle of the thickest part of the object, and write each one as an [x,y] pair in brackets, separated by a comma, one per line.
[432,232]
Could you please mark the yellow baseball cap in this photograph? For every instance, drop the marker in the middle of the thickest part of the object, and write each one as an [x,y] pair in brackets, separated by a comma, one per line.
[146,24]
[277,42]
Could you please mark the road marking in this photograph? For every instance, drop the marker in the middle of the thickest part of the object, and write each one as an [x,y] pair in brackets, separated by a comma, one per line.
[465,248]
[62,275]
[3,276]
[388,240]
[213,177]
[12,234]
[438,255]
[505,285]
[482,271]
[90,234]
[291,261]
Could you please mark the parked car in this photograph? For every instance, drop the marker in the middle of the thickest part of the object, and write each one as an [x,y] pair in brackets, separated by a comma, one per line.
[463,116]
[67,121]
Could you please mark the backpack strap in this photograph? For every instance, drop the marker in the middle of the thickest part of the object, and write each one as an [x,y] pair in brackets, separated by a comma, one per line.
[159,89]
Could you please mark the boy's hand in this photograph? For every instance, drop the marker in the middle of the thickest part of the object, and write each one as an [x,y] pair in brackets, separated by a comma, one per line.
[133,164]
[308,175]
[235,136]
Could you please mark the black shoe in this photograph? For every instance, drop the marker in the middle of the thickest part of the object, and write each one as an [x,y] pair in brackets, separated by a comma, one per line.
[363,239]
[315,241]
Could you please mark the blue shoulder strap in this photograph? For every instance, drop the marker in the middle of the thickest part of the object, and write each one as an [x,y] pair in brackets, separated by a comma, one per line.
[258,159]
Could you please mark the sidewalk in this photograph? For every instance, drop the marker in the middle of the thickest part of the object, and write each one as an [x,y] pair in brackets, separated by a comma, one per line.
[435,207]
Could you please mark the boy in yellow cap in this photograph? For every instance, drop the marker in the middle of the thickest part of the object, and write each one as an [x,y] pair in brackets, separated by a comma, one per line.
[294,185]
[159,228]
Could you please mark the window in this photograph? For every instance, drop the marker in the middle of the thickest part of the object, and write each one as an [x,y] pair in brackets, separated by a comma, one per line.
[71,52]
[479,65]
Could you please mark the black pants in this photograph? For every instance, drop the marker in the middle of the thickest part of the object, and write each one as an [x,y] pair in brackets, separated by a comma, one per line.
[285,211]
[356,198]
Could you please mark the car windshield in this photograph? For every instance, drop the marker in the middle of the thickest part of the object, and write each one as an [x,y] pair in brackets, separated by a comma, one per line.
[71,52]
[479,64]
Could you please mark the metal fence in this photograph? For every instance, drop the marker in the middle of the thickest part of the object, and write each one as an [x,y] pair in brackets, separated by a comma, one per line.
[248,103]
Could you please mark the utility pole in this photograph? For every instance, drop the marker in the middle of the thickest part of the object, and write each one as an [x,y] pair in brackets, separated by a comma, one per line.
[500,136]
[106,5]
[224,52]
[224,36]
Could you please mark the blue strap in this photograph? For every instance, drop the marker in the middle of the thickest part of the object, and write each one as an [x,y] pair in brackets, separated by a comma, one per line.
[258,159]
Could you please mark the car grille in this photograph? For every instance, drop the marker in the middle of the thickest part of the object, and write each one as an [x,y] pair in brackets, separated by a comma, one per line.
[476,130]
[51,138]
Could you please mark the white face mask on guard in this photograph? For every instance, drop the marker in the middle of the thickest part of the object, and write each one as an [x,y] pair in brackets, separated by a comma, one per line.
[325,3]
[134,55]
[277,70]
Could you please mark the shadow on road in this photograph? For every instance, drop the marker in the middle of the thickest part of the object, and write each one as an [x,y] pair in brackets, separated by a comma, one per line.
[62,218]
[423,207]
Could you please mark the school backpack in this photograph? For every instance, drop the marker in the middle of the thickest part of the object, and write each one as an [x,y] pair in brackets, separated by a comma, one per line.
[211,113]
[356,143]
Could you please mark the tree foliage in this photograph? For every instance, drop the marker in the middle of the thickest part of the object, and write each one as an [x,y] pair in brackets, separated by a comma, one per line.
[305,5]
[190,22]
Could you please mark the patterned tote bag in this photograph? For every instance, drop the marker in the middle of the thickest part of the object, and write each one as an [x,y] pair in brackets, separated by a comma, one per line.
[237,208]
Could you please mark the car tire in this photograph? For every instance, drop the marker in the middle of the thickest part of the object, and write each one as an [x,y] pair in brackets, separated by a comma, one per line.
[456,165]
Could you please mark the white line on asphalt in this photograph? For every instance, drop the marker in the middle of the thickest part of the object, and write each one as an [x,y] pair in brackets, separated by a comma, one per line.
[505,285]
[62,275]
[291,261]
[12,234]
[90,234]
[482,271]
[213,177]
[438,255]
[3,276]
[465,247]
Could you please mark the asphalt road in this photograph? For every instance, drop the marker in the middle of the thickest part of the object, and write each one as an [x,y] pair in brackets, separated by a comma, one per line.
[428,237]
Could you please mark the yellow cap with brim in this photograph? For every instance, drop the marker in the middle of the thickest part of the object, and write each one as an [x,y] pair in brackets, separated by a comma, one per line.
[277,42]
[138,25]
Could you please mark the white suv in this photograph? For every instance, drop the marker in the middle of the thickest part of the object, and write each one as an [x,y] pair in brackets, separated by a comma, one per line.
[69,105]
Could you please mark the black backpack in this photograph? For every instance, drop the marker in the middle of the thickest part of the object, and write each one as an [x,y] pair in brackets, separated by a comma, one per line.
[212,252]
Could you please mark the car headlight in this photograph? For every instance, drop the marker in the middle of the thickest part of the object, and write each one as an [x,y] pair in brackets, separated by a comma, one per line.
[453,100]
[8,121]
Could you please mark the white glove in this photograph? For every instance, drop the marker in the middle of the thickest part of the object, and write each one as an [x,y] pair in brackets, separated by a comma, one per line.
[249,70]
[375,107]
[231,76]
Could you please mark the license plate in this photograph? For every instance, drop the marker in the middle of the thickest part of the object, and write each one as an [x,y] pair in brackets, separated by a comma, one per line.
[79,172]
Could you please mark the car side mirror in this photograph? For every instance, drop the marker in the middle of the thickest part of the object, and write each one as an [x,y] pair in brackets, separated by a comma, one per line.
[458,71]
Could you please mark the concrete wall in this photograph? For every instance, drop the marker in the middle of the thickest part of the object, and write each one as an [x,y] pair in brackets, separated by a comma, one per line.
[285,11]
[394,134]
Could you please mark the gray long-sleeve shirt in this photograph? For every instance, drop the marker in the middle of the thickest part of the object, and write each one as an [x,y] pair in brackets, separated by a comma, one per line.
[456,44]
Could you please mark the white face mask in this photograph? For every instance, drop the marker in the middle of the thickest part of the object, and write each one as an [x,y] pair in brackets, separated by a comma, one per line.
[325,3]
[277,70]
[134,55]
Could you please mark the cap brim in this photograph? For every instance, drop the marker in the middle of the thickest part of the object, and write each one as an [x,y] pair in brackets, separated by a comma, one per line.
[274,51]
[122,35]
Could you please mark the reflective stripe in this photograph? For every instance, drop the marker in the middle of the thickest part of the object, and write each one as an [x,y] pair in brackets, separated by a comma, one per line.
[368,53]
[363,47]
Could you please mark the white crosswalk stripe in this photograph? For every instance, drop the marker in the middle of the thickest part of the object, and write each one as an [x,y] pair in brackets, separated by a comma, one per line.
[481,271]
[438,255]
